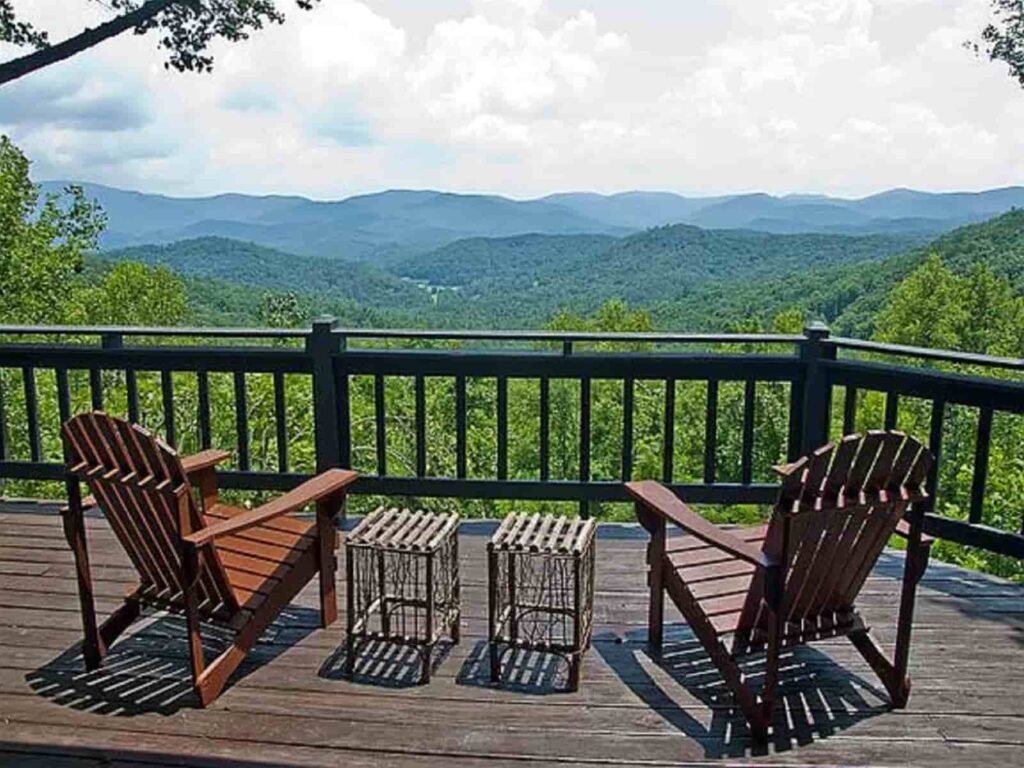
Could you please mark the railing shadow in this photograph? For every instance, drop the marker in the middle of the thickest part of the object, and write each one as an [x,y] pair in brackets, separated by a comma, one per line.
[976,595]
[148,670]
[385,664]
[522,671]
[816,698]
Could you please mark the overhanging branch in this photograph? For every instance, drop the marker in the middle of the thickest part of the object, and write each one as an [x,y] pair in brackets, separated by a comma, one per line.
[12,70]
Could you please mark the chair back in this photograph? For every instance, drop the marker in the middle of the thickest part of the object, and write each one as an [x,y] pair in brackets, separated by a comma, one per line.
[836,511]
[139,483]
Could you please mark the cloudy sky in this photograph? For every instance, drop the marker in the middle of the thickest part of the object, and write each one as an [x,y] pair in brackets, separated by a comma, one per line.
[526,97]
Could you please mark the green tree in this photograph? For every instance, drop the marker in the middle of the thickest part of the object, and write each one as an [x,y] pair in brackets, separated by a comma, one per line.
[42,242]
[1003,39]
[282,310]
[995,315]
[925,310]
[133,294]
[186,28]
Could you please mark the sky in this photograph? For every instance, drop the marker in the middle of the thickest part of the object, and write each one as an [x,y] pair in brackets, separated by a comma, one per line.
[529,97]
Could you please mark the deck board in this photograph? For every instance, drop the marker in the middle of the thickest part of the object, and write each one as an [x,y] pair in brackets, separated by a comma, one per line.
[289,703]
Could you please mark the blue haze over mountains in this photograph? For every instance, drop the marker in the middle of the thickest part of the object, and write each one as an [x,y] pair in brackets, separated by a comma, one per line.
[391,226]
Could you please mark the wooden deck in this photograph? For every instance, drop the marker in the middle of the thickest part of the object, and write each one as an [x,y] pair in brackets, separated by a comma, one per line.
[291,705]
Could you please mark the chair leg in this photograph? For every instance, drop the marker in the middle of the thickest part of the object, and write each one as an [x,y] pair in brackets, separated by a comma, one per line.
[913,570]
[656,581]
[893,674]
[898,686]
[326,512]
[93,646]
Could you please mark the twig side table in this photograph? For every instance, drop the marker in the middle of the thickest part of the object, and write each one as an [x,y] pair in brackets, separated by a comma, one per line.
[540,573]
[402,570]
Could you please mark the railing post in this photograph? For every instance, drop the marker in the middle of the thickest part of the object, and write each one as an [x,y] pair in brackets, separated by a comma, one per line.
[817,405]
[322,345]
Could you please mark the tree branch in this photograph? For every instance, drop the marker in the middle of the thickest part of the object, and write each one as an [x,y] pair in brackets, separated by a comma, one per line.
[12,70]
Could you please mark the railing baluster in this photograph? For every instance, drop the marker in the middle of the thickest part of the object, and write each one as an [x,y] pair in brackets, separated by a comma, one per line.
[711,433]
[3,419]
[545,429]
[502,428]
[935,446]
[980,464]
[584,430]
[747,452]
[380,424]
[203,387]
[669,441]
[107,341]
[460,427]
[167,391]
[584,439]
[421,427]
[63,395]
[63,405]
[344,407]
[131,385]
[96,388]
[796,418]
[627,429]
[850,411]
[892,408]
[28,375]
[242,420]
[280,421]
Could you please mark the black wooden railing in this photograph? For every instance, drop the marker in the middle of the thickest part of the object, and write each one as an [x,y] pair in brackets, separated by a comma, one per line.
[815,367]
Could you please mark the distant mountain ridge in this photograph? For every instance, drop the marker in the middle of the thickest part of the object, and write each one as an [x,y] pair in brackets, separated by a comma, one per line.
[393,225]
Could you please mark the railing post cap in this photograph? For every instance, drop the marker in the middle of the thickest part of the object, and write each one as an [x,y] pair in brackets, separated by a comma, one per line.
[816,330]
[324,323]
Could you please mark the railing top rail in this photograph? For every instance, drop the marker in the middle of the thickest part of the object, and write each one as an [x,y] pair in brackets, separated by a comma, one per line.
[133,330]
[941,355]
[410,333]
[580,336]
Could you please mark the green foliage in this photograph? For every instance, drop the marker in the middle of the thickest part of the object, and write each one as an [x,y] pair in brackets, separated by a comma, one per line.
[187,28]
[17,32]
[133,294]
[41,242]
[925,309]
[1003,39]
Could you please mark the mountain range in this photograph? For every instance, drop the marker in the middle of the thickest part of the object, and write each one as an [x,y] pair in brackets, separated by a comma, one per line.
[391,226]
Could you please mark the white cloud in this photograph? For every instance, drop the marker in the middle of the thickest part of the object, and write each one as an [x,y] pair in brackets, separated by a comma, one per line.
[528,96]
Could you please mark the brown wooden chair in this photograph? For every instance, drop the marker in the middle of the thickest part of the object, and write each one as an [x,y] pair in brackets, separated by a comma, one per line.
[797,578]
[234,567]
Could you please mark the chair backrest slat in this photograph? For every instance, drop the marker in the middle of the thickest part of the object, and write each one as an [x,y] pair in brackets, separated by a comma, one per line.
[836,511]
[140,485]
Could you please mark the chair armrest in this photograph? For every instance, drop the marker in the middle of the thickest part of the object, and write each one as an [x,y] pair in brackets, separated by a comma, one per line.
[323,485]
[660,500]
[903,531]
[207,459]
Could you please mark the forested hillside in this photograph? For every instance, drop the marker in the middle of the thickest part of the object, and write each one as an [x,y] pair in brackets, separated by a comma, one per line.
[254,265]
[850,296]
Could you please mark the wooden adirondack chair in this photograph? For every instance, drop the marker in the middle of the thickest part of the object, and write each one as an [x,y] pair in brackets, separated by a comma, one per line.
[797,578]
[238,568]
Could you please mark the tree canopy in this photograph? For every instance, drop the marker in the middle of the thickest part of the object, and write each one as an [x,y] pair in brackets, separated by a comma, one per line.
[186,29]
[1003,39]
